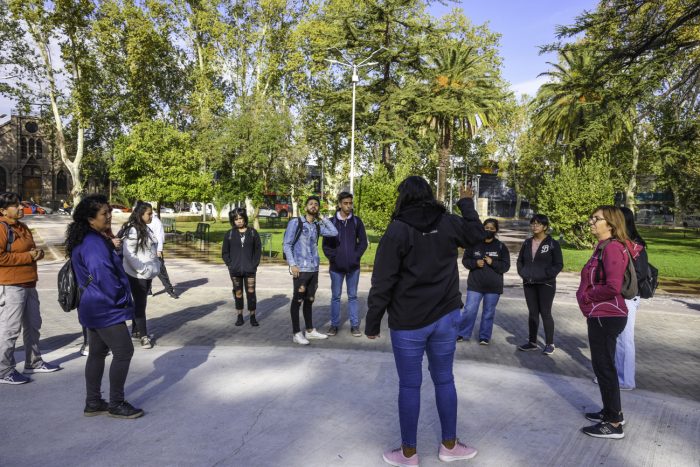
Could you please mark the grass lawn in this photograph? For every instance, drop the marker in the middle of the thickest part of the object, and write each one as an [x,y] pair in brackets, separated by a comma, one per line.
[675,252]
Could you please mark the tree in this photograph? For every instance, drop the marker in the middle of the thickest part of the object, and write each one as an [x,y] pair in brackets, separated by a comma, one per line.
[159,163]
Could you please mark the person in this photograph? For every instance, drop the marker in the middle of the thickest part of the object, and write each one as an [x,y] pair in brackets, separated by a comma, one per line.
[19,301]
[539,262]
[241,251]
[156,227]
[344,253]
[300,246]
[625,351]
[140,252]
[105,305]
[487,262]
[416,281]
[600,299]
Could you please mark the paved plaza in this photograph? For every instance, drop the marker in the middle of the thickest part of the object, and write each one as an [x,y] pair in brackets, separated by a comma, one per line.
[217,394]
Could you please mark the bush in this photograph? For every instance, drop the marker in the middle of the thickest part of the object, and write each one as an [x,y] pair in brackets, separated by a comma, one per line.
[569,197]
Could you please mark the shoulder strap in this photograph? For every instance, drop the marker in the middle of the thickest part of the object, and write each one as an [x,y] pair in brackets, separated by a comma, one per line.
[230,235]
[318,231]
[299,230]
[10,237]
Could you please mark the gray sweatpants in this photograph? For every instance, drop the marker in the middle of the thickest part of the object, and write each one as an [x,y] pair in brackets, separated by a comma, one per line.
[19,310]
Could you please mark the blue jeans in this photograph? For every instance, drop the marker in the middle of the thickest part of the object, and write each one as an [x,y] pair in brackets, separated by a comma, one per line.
[471,308]
[352,279]
[624,354]
[438,341]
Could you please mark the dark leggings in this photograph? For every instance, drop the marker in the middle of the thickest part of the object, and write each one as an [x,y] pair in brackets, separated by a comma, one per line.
[139,290]
[304,292]
[100,341]
[539,299]
[602,338]
[249,291]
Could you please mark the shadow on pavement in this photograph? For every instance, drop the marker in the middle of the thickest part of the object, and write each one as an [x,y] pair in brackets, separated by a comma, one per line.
[183,287]
[173,321]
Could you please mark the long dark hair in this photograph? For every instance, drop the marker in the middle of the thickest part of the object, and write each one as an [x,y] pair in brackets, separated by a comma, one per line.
[143,234]
[414,190]
[86,209]
[632,227]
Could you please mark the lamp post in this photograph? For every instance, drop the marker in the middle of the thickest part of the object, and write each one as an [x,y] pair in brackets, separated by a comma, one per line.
[355,78]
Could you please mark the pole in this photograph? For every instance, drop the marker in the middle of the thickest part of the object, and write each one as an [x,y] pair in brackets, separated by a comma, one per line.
[352,131]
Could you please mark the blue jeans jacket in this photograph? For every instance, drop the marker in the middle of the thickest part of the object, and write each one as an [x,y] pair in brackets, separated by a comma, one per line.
[304,255]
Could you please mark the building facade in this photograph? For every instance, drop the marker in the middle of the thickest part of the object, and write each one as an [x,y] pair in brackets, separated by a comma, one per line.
[29,165]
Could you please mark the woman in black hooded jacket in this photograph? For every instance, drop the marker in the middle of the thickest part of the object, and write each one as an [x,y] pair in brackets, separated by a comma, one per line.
[241,251]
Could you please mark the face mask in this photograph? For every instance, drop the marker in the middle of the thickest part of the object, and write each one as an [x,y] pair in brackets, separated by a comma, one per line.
[490,234]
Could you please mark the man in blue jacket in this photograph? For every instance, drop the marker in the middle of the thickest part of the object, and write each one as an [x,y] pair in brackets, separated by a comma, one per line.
[301,251]
[344,253]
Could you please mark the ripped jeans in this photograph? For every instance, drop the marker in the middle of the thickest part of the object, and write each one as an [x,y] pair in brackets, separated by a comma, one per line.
[238,286]
[304,292]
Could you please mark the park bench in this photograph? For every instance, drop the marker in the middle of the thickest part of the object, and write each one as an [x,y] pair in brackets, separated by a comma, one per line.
[266,241]
[168,224]
[201,233]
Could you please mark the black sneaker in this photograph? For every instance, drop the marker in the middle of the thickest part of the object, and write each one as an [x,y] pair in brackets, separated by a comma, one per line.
[528,347]
[598,417]
[549,349]
[355,331]
[135,335]
[172,293]
[460,339]
[484,342]
[239,320]
[96,408]
[253,321]
[332,330]
[604,430]
[125,410]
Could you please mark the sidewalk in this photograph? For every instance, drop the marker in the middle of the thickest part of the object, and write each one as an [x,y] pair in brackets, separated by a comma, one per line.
[216,394]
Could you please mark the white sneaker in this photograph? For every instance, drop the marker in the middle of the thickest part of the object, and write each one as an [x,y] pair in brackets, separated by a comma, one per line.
[314,334]
[300,339]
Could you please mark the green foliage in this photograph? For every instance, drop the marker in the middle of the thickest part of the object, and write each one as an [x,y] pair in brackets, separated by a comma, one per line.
[157,162]
[569,197]
[378,195]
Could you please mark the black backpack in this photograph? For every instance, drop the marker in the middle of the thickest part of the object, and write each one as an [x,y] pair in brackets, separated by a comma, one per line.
[10,237]
[297,234]
[647,276]
[68,290]
[630,286]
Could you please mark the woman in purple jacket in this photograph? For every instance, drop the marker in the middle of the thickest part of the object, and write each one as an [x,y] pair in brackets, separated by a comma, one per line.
[600,298]
[105,305]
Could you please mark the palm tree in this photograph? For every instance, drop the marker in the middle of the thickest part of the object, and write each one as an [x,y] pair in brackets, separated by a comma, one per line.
[458,94]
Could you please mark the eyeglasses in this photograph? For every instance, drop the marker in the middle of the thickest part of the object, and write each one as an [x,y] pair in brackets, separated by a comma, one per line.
[536,224]
[595,219]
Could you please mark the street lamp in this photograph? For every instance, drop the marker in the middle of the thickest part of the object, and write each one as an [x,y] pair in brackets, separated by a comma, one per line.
[355,79]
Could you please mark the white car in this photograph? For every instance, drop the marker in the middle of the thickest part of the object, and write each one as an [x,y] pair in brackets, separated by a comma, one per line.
[267,212]
[165,210]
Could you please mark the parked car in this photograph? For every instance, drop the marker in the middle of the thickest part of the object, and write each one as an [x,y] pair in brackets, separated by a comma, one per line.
[166,210]
[47,210]
[117,208]
[267,212]
[31,208]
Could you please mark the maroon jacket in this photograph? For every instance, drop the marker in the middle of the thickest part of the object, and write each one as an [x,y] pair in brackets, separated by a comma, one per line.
[604,300]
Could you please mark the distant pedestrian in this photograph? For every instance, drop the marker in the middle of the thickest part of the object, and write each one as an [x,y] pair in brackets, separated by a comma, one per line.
[105,305]
[156,227]
[141,264]
[19,301]
[487,262]
[344,253]
[600,298]
[241,251]
[416,281]
[301,249]
[539,262]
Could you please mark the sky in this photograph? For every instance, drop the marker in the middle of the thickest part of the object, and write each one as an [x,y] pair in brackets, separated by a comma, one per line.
[524,26]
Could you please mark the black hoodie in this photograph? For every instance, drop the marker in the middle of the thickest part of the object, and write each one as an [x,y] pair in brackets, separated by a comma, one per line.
[545,266]
[487,279]
[415,274]
[241,255]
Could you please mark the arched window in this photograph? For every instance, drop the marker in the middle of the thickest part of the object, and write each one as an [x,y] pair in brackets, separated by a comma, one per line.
[61,182]
[23,147]
[3,180]
[39,153]
[31,146]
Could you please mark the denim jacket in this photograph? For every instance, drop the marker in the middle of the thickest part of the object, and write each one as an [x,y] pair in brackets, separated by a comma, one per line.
[305,253]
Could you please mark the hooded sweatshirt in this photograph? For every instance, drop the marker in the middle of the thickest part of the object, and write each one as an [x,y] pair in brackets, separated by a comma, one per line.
[415,274]
[489,278]
[17,266]
[242,254]
[604,299]
[544,267]
[345,251]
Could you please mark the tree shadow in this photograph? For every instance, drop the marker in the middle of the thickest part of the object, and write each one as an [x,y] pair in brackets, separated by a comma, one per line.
[170,368]
[692,306]
[266,306]
[183,287]
[171,322]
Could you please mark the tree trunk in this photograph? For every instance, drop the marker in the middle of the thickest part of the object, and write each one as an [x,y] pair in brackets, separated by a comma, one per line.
[632,183]
[253,211]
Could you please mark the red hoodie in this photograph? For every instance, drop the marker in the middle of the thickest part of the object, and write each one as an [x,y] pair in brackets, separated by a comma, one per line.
[604,300]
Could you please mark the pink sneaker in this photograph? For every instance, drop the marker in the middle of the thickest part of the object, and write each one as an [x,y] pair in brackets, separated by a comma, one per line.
[395,457]
[460,452]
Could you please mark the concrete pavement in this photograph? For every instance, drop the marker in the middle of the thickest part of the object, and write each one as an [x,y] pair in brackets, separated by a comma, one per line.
[216,394]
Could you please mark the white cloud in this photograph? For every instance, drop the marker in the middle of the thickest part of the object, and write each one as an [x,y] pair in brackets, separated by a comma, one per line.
[529,87]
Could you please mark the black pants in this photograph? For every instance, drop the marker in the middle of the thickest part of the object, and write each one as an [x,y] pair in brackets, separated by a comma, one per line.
[100,341]
[602,338]
[163,276]
[139,290]
[304,292]
[539,299]
[248,283]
